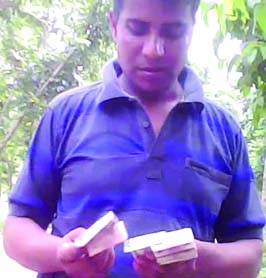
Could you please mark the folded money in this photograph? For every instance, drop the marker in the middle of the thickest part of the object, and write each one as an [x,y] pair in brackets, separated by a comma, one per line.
[173,239]
[173,250]
[138,244]
[167,247]
[105,233]
[178,257]
[107,238]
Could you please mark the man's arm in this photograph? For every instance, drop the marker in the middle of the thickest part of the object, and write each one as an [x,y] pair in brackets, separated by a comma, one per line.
[32,247]
[240,259]
[27,243]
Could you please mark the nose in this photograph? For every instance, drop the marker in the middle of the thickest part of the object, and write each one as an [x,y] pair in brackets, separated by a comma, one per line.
[153,47]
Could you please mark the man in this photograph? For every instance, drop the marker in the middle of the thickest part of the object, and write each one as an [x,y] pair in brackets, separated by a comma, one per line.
[146,144]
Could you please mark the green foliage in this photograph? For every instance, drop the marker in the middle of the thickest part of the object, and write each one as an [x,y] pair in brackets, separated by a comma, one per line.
[263,269]
[257,148]
[245,20]
[46,47]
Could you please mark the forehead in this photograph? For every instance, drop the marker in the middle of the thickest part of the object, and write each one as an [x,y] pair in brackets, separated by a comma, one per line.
[157,10]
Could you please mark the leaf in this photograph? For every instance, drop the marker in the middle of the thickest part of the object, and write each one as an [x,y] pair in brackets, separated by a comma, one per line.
[262,49]
[262,70]
[242,7]
[205,8]
[245,83]
[235,61]
[260,101]
[245,90]
[221,18]
[260,11]
[229,10]
[251,57]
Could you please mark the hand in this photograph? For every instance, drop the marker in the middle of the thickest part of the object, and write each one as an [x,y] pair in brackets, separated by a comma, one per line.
[76,262]
[147,267]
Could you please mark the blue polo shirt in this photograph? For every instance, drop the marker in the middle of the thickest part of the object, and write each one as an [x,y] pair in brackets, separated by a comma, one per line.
[95,151]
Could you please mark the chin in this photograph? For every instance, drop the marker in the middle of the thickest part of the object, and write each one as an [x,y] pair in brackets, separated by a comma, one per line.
[154,89]
[151,94]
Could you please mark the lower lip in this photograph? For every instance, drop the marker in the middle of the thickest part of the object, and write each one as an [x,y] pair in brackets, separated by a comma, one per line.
[151,73]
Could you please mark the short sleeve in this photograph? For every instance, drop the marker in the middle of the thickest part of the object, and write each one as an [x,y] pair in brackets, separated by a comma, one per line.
[37,190]
[241,215]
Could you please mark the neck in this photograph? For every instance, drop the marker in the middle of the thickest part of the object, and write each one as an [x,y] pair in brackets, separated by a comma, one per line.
[173,94]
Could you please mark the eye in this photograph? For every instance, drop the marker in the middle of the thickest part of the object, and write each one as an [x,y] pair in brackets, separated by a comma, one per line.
[174,31]
[137,28]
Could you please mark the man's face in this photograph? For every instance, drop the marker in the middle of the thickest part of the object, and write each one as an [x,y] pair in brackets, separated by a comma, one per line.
[152,40]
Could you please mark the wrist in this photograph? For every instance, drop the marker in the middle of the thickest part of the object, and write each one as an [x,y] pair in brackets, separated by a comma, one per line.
[60,255]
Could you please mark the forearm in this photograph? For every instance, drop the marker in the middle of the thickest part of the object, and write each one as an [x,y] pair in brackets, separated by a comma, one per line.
[30,245]
[239,259]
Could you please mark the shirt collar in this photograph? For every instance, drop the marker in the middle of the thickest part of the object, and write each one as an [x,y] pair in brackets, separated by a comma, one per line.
[112,90]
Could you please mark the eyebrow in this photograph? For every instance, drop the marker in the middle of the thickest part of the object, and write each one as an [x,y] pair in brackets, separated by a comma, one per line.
[134,20]
[175,24]
[168,24]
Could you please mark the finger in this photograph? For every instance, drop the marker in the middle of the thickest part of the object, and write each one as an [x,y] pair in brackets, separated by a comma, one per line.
[72,235]
[105,254]
[192,265]
[180,268]
[86,267]
[146,271]
[141,269]
[80,268]
[68,252]
[143,260]
[144,265]
[149,255]
[105,259]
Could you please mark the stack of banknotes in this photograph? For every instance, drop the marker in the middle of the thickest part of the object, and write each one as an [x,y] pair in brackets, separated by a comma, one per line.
[105,233]
[167,247]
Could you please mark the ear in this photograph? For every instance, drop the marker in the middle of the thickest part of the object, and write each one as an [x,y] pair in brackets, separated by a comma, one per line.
[113,25]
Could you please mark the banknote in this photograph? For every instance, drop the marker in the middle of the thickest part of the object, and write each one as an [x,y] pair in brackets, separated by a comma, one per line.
[167,247]
[107,238]
[107,220]
[173,250]
[178,257]
[140,243]
[173,239]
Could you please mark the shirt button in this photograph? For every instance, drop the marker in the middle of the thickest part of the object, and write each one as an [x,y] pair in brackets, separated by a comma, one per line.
[146,124]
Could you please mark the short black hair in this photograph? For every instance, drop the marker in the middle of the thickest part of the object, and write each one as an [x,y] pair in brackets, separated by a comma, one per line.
[118,6]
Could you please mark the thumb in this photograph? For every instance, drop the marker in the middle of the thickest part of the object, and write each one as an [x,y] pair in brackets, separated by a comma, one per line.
[69,252]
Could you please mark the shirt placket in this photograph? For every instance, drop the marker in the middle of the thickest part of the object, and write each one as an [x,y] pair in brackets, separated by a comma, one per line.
[146,129]
[154,154]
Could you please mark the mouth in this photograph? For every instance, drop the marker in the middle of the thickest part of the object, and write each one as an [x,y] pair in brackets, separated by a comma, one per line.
[152,69]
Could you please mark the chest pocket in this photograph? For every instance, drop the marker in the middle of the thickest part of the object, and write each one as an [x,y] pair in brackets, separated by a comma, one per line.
[205,185]
[209,172]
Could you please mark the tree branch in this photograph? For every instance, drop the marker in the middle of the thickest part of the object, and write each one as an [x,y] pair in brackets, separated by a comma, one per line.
[11,133]
[2,113]
[9,181]
[62,64]
[55,73]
